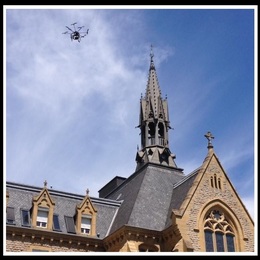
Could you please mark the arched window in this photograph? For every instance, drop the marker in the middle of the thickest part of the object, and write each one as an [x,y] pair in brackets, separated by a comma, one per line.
[161,133]
[219,235]
[151,133]
[147,248]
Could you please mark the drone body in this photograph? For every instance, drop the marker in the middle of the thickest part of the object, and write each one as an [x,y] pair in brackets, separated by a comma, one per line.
[76,34]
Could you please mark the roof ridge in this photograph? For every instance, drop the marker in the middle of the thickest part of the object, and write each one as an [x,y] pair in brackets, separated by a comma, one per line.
[186,177]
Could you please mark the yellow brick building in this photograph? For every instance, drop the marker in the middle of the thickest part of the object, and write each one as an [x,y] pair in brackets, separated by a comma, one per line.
[156,209]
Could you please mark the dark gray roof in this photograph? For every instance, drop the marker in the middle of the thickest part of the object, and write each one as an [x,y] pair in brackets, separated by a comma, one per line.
[179,193]
[20,197]
[146,197]
[114,183]
[144,200]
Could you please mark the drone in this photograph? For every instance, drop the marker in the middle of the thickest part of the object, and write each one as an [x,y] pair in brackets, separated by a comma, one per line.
[76,34]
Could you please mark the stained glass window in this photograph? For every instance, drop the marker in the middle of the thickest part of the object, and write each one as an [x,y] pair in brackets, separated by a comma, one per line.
[230,243]
[219,235]
[219,241]
[209,241]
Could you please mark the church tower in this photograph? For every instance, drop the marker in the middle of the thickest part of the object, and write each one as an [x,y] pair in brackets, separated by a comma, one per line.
[154,124]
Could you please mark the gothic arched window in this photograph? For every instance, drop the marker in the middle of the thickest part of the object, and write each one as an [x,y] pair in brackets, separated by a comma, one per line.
[151,133]
[147,248]
[219,235]
[161,133]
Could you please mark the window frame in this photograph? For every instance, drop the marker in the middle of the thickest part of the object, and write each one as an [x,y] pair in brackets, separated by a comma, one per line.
[22,217]
[70,224]
[54,227]
[82,228]
[217,223]
[46,210]
[10,216]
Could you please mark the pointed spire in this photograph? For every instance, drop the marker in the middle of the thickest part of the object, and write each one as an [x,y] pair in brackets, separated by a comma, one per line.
[154,124]
[209,136]
[151,53]
[153,92]
[152,67]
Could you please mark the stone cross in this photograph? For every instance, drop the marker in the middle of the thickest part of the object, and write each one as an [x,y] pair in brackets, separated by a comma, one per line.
[209,136]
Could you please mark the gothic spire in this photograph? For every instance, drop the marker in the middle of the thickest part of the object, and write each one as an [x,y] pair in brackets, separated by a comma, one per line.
[154,123]
[151,62]
[153,92]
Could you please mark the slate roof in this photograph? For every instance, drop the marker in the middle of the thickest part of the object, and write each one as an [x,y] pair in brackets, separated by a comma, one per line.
[20,197]
[146,196]
[179,193]
[144,200]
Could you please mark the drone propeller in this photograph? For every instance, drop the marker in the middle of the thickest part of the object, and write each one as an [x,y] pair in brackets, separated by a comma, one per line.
[80,27]
[86,32]
[69,28]
[74,26]
[65,32]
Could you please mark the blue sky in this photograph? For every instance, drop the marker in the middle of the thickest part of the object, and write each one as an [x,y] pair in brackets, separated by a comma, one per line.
[71,108]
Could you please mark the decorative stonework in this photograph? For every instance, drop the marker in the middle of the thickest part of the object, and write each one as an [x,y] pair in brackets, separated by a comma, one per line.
[87,208]
[214,169]
[43,200]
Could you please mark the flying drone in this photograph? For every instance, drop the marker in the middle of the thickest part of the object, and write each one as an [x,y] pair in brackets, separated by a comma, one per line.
[76,34]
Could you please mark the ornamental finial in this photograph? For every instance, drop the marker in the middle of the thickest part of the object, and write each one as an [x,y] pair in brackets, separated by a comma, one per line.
[209,136]
[151,53]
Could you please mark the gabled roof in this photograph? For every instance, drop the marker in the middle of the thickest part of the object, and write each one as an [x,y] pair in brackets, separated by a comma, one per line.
[21,196]
[186,188]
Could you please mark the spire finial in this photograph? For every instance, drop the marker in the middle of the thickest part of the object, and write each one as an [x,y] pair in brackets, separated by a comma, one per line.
[45,183]
[209,136]
[151,62]
[151,53]
[87,191]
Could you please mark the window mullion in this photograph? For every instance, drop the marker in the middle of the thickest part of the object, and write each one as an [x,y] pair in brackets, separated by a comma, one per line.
[214,241]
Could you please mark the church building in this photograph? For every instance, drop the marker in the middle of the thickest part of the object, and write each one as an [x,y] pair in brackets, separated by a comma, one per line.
[157,208]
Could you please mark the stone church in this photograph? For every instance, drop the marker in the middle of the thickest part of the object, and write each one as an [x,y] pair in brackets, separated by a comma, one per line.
[156,209]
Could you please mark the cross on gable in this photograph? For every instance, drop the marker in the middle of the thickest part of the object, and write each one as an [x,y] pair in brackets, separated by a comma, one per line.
[209,136]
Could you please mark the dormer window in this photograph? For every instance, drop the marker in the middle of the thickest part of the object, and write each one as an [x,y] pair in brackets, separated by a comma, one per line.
[43,210]
[86,217]
[85,224]
[42,218]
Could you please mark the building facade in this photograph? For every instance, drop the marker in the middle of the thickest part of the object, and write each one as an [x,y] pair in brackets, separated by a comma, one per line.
[155,209]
